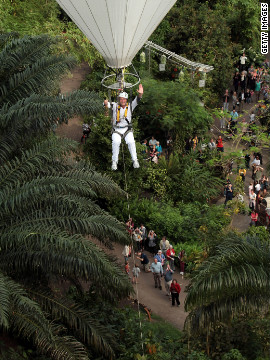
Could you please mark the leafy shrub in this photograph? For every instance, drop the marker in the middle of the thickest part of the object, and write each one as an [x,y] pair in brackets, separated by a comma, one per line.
[233,354]
[260,232]
[195,254]
[195,355]
[183,223]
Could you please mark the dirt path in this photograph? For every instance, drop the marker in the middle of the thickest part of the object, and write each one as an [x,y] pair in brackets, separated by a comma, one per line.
[73,130]
[153,298]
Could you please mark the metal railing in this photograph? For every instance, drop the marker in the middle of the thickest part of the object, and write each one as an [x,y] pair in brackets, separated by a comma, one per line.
[177,58]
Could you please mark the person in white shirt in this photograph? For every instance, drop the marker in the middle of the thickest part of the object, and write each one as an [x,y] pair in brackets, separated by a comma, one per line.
[256,161]
[212,145]
[250,188]
[252,117]
[243,59]
[252,200]
[257,187]
[152,142]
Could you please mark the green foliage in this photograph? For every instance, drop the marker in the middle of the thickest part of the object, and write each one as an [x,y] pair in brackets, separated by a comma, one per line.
[190,181]
[195,355]
[99,145]
[260,232]
[163,218]
[20,353]
[173,107]
[36,17]
[195,254]
[48,208]
[243,19]
[156,180]
[233,354]
[161,340]
[237,270]
[187,223]
[245,336]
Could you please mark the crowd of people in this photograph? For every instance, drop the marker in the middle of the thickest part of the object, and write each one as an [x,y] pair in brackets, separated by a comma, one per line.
[153,149]
[257,189]
[163,264]
[249,84]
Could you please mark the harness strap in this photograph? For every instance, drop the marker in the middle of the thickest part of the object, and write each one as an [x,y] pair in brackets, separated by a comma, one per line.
[122,135]
[118,113]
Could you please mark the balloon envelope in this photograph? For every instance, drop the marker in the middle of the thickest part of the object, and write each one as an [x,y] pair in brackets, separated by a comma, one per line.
[117,28]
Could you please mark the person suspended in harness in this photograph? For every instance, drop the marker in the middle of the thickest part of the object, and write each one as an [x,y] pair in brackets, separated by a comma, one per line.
[122,126]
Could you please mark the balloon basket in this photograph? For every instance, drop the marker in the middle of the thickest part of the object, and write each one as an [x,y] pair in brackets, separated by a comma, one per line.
[123,78]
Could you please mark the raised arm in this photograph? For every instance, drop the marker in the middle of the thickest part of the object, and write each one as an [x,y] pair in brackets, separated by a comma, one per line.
[107,104]
[140,91]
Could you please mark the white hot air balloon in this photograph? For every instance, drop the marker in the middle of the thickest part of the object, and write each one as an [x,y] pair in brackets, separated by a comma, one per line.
[117,28]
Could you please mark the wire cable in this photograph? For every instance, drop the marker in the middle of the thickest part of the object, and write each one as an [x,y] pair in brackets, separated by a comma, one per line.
[132,251]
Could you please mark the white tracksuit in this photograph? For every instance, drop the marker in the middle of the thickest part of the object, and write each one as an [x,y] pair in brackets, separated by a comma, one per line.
[122,127]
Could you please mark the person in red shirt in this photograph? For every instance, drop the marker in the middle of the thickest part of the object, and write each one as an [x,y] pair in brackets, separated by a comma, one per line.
[254,218]
[127,268]
[175,291]
[220,144]
[170,254]
[130,226]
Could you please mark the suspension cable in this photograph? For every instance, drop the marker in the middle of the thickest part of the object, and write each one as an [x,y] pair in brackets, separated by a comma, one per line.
[132,251]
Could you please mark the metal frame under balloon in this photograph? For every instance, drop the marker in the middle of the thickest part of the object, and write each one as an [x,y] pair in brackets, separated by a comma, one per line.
[119,77]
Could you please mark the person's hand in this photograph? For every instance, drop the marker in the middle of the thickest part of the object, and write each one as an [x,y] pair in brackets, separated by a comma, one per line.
[140,91]
[105,102]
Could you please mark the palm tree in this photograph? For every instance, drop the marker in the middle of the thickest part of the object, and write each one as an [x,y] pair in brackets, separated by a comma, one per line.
[235,280]
[189,180]
[49,209]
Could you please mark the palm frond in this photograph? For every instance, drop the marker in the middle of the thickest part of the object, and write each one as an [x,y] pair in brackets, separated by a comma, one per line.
[14,299]
[22,52]
[57,347]
[5,37]
[40,111]
[28,81]
[234,280]
[34,161]
[48,207]
[83,322]
[93,265]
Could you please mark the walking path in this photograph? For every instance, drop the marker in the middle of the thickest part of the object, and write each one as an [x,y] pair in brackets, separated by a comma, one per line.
[153,298]
[73,130]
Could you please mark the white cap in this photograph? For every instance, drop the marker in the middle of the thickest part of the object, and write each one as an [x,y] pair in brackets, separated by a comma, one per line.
[123,95]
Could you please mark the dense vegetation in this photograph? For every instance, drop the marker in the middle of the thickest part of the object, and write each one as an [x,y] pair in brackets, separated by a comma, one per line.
[58,289]
[48,207]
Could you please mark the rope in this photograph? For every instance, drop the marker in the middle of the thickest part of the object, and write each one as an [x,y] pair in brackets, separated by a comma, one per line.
[133,257]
